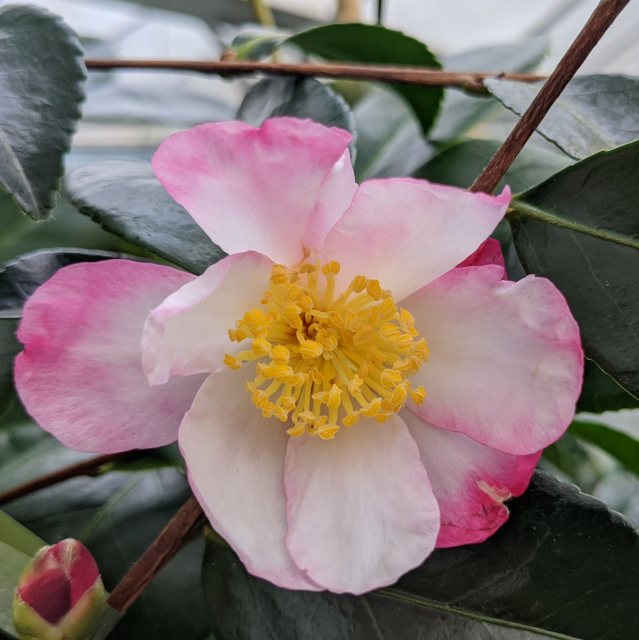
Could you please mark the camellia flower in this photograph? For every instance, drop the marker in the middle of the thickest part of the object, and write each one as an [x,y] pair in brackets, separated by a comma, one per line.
[347,397]
[60,595]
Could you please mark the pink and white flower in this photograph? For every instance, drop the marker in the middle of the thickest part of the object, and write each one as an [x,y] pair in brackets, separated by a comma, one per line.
[345,396]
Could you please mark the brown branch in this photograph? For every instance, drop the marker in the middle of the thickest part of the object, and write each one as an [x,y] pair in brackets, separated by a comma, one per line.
[470,81]
[599,22]
[161,550]
[89,467]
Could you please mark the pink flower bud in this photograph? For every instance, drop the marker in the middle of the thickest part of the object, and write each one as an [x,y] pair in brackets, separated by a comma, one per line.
[60,595]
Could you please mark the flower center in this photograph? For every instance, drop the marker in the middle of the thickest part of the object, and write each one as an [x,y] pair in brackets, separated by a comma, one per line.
[323,361]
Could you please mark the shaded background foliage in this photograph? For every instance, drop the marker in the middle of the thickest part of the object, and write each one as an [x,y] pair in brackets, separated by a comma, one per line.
[566,564]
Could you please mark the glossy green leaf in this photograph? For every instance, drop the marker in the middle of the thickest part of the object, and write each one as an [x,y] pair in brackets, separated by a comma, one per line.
[298,98]
[563,564]
[66,227]
[9,349]
[389,138]
[601,393]
[461,111]
[12,564]
[461,163]
[126,199]
[594,112]
[580,229]
[41,78]
[620,445]
[18,537]
[371,44]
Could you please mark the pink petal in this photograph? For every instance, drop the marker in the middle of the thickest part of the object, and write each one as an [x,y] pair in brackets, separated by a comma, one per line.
[80,375]
[48,594]
[506,363]
[489,252]
[235,461]
[470,481]
[188,332]
[276,189]
[408,232]
[360,507]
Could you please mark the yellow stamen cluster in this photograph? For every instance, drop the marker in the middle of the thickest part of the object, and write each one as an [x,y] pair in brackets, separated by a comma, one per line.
[323,361]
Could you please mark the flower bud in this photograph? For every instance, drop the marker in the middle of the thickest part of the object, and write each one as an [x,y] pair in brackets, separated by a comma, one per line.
[60,595]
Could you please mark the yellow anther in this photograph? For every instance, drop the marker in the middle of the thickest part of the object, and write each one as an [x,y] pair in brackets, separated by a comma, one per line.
[334,397]
[332,267]
[359,284]
[232,362]
[391,377]
[355,384]
[327,339]
[311,349]
[296,430]
[279,274]
[291,314]
[305,302]
[261,346]
[407,322]
[324,359]
[280,354]
[327,432]
[386,309]
[374,289]
[237,335]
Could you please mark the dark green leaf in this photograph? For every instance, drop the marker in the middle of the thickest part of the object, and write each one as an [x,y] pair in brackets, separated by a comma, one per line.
[9,349]
[461,163]
[370,44]
[21,277]
[601,393]
[594,112]
[66,227]
[389,139]
[12,564]
[580,229]
[563,564]
[17,536]
[41,78]
[117,516]
[618,444]
[461,111]
[299,98]
[126,199]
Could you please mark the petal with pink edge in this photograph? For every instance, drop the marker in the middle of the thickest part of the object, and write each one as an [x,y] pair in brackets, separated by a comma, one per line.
[489,252]
[235,462]
[407,233]
[276,189]
[505,364]
[361,511]
[80,375]
[470,481]
[188,332]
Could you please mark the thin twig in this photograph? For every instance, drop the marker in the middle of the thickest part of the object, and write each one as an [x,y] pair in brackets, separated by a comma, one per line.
[90,467]
[599,22]
[161,550]
[470,81]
